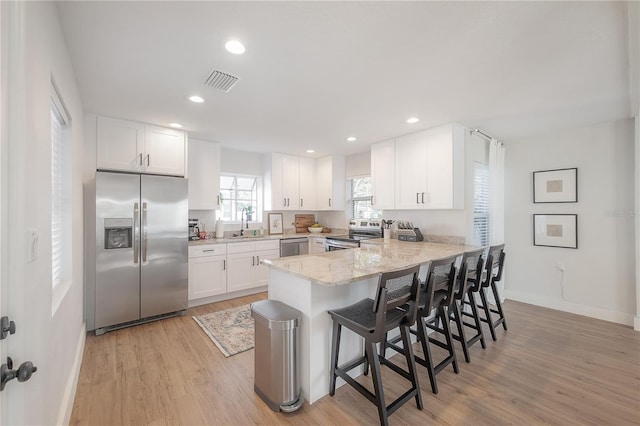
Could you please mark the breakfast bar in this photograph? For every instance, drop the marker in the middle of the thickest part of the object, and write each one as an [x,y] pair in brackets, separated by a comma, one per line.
[315,284]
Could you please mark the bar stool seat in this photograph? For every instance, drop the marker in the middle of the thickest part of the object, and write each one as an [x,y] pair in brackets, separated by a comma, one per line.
[372,320]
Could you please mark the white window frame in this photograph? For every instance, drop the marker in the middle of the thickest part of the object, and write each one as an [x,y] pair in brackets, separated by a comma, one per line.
[61,200]
[257,213]
[352,199]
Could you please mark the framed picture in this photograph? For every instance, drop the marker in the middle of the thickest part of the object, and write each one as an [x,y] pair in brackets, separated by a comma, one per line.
[555,230]
[275,223]
[555,186]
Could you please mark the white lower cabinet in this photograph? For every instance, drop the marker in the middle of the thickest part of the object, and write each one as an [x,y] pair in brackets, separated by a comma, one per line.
[244,270]
[207,271]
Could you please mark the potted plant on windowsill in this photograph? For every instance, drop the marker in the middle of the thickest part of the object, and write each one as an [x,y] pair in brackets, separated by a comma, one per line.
[249,213]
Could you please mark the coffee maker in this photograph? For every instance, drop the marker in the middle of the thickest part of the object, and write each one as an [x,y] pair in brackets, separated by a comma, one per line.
[194,228]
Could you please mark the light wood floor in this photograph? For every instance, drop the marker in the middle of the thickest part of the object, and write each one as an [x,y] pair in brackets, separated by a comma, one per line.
[550,367]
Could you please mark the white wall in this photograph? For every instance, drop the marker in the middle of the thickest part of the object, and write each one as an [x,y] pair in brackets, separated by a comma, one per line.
[599,277]
[53,343]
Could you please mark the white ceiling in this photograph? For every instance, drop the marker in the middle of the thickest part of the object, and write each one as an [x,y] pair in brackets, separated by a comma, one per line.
[317,72]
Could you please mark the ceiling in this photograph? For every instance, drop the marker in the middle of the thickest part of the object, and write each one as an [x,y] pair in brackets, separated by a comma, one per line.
[315,73]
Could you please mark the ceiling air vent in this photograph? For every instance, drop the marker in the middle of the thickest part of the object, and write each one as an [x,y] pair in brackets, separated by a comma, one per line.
[221,80]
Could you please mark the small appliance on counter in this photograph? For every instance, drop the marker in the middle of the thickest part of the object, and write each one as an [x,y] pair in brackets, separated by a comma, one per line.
[194,229]
[405,231]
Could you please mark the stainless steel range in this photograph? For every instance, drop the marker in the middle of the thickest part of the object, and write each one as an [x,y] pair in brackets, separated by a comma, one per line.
[359,229]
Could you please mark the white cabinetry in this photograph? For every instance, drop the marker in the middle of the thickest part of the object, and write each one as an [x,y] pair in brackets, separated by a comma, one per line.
[307,183]
[136,147]
[316,245]
[204,175]
[207,271]
[244,270]
[282,175]
[429,169]
[331,181]
[383,175]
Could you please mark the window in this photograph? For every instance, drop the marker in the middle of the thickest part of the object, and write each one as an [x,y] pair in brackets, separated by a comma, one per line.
[360,199]
[61,176]
[480,204]
[238,193]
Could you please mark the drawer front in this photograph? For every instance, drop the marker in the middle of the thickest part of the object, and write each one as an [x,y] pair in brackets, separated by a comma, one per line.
[207,250]
[241,247]
[268,245]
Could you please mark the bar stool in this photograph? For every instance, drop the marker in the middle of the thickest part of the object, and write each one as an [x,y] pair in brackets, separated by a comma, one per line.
[469,283]
[436,294]
[372,320]
[493,274]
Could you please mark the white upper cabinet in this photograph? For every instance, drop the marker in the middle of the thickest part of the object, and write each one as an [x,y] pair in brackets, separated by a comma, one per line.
[204,175]
[281,183]
[135,147]
[429,169]
[120,145]
[307,199]
[331,182]
[383,175]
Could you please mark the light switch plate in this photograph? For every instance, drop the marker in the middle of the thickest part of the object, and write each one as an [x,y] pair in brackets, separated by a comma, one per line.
[32,244]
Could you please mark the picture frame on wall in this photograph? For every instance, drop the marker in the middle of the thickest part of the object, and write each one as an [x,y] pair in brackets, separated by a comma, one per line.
[555,230]
[275,223]
[555,186]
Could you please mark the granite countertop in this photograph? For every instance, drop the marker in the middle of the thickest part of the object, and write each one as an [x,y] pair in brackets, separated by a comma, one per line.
[262,238]
[378,255]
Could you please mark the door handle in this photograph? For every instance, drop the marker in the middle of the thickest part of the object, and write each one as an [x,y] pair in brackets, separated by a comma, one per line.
[23,373]
[253,261]
[6,327]
[218,200]
[258,263]
[148,159]
[136,232]
[329,202]
[224,264]
[373,200]
[284,202]
[301,202]
[140,161]
[423,198]
[417,195]
[144,232]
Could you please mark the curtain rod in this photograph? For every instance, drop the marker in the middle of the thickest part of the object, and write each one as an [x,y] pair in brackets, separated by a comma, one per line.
[485,135]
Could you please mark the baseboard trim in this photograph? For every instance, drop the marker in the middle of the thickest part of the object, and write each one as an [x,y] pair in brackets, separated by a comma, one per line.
[66,406]
[574,308]
[227,296]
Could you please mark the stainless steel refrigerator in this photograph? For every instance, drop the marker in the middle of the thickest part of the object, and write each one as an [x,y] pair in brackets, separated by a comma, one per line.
[141,248]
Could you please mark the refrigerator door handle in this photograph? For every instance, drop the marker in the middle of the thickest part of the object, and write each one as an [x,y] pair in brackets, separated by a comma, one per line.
[136,232]
[144,232]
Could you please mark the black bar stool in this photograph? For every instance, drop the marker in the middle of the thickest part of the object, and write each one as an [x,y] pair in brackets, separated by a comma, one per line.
[436,294]
[373,319]
[469,282]
[493,274]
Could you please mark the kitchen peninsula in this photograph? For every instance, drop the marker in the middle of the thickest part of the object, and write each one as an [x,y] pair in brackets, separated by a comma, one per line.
[314,284]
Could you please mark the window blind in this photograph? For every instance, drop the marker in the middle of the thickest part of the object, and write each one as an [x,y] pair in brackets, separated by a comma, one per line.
[480,204]
[60,197]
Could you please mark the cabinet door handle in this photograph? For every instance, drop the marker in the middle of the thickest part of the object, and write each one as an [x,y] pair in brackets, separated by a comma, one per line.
[140,161]
[417,196]
[372,200]
[284,202]
[258,262]
[208,250]
[423,198]
[148,159]
[253,261]
[329,202]
[218,200]
[301,202]
[224,264]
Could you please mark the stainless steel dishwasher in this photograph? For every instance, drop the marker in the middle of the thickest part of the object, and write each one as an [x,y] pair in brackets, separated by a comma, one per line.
[294,246]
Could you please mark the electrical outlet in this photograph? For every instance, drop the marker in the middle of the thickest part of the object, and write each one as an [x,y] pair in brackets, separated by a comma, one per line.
[560,266]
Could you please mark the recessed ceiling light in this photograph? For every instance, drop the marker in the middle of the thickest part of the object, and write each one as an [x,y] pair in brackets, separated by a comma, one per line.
[413,120]
[196,99]
[176,125]
[235,47]
[310,151]
[351,139]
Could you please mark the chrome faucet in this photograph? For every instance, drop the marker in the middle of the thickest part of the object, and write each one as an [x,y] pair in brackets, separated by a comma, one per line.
[244,209]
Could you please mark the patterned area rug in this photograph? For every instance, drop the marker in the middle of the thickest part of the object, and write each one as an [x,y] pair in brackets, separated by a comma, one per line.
[231,330]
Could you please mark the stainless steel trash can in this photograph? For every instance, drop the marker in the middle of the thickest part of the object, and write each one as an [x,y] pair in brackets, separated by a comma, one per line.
[276,355]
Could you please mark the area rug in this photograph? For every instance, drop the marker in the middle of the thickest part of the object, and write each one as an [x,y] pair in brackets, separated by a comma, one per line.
[231,330]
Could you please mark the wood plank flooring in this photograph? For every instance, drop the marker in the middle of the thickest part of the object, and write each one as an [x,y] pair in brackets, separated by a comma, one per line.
[550,367]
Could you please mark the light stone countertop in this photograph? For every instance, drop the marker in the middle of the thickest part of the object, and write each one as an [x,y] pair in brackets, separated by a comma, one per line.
[375,256]
[262,238]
